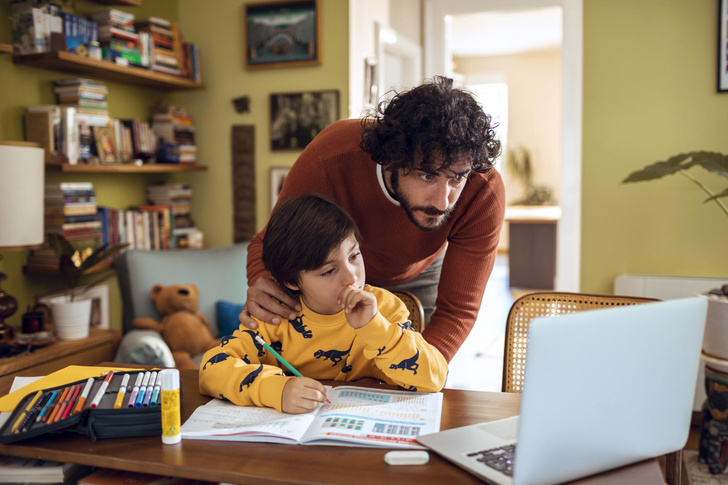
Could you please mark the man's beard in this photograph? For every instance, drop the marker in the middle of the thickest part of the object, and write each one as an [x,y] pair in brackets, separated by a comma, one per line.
[409,209]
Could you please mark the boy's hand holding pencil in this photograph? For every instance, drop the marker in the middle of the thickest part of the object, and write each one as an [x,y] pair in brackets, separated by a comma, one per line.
[302,395]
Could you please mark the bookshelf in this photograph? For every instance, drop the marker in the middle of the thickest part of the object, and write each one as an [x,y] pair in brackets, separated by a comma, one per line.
[108,71]
[126,3]
[6,48]
[126,168]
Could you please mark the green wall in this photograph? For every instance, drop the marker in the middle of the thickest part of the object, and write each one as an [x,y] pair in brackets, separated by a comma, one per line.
[650,93]
[21,86]
[219,33]
[217,28]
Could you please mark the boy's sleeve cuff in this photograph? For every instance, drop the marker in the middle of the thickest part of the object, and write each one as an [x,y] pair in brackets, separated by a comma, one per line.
[271,391]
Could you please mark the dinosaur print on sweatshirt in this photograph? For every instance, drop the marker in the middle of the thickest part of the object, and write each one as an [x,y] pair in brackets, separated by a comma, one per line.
[215,359]
[300,327]
[333,355]
[261,350]
[250,378]
[408,364]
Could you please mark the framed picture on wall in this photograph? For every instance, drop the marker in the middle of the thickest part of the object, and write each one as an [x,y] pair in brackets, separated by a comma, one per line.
[723,46]
[277,177]
[282,34]
[296,118]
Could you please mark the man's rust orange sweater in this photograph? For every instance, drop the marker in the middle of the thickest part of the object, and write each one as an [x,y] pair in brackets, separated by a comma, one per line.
[394,250]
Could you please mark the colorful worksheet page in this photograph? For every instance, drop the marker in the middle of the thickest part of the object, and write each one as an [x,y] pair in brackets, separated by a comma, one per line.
[371,417]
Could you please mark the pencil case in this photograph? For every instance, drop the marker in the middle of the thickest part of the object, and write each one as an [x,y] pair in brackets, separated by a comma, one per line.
[42,412]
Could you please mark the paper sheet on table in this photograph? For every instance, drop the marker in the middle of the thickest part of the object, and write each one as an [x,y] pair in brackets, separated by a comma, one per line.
[72,373]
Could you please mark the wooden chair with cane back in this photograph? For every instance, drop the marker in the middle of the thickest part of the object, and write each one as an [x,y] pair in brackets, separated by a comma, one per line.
[417,313]
[540,304]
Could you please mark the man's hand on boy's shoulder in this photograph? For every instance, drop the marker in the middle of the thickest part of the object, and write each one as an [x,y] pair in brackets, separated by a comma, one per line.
[268,302]
[359,305]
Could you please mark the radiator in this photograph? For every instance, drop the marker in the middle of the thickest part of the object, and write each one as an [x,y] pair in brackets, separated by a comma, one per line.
[668,288]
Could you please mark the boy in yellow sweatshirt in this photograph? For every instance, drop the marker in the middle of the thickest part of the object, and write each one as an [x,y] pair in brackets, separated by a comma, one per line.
[345,331]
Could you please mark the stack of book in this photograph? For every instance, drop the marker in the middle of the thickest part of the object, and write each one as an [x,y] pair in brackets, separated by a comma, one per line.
[117,36]
[133,139]
[37,27]
[178,198]
[87,96]
[146,227]
[163,46]
[70,210]
[175,129]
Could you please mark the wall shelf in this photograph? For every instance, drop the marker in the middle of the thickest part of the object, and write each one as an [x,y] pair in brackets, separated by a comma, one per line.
[84,66]
[127,3]
[6,48]
[126,168]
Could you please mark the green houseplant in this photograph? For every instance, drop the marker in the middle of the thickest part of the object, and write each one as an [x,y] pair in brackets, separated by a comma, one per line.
[71,268]
[715,340]
[714,162]
[72,312]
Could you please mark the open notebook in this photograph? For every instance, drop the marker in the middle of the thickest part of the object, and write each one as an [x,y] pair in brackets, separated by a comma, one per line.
[356,416]
[602,389]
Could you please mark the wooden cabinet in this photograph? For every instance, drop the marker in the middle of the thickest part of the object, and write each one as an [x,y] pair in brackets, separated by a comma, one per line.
[100,346]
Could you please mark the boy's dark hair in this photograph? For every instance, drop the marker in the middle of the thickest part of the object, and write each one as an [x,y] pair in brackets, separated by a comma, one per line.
[435,122]
[300,235]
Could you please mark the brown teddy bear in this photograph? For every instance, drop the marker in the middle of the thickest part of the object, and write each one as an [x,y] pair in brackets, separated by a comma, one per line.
[185,330]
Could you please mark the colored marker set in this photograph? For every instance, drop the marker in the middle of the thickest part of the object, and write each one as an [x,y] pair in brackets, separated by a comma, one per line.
[116,404]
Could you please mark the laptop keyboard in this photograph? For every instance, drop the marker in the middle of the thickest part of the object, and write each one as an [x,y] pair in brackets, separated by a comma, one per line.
[500,458]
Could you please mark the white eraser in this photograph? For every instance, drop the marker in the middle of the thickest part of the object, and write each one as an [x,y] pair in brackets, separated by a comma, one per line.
[406,458]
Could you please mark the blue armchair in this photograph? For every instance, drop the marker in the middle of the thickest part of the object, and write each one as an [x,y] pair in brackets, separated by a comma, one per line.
[219,273]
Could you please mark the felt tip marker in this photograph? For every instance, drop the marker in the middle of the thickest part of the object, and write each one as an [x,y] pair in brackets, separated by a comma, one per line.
[122,391]
[102,390]
[84,395]
[135,390]
[155,393]
[142,390]
[150,389]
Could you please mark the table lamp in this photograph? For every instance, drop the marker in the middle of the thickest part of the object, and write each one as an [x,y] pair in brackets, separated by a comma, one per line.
[22,178]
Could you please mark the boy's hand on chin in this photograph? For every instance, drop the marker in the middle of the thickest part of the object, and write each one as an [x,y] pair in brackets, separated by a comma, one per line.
[360,306]
[301,395]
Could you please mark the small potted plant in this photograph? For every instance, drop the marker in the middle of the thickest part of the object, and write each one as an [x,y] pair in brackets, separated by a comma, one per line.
[715,343]
[72,311]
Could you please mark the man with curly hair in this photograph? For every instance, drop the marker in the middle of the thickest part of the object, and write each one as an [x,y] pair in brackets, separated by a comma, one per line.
[417,179]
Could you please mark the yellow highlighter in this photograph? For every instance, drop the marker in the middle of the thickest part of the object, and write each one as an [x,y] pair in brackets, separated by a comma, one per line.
[122,392]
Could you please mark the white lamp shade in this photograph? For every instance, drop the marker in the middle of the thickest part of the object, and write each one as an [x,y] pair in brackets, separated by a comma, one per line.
[22,178]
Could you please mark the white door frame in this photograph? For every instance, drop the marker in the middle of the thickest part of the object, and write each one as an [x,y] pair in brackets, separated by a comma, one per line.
[438,61]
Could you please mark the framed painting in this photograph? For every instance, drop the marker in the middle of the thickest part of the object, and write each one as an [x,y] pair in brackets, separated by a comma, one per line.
[296,118]
[723,46]
[277,177]
[282,34]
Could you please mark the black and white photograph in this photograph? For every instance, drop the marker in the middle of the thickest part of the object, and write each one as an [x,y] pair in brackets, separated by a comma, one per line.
[296,118]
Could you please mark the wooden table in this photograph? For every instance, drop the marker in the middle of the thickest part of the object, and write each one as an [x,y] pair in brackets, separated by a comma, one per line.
[100,346]
[266,463]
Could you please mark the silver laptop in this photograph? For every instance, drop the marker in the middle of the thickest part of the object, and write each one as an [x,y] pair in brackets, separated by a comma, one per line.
[602,389]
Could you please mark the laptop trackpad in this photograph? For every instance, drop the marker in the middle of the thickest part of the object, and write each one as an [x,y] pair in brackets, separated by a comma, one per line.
[505,429]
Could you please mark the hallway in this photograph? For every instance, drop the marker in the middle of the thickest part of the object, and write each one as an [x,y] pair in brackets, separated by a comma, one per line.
[478,365]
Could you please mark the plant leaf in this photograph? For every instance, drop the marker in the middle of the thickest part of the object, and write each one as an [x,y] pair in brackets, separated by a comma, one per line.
[718,196]
[69,272]
[712,161]
[60,245]
[101,253]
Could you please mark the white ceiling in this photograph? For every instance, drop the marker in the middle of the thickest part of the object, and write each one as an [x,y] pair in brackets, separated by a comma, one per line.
[506,32]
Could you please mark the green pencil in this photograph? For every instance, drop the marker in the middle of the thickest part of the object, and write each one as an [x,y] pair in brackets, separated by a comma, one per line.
[283,361]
